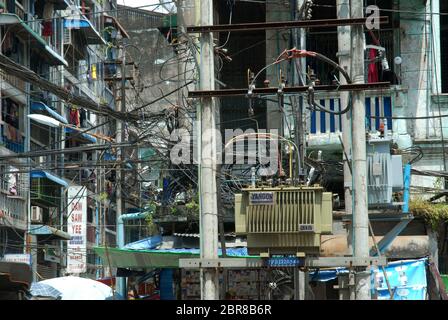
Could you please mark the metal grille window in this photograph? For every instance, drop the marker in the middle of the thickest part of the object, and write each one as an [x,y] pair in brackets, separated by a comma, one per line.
[13,182]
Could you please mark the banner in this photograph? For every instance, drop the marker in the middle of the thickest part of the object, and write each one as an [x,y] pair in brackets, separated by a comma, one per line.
[407,280]
[77,228]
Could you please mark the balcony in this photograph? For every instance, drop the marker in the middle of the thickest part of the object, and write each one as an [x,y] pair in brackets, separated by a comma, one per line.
[12,138]
[14,81]
[325,128]
[31,32]
[46,189]
[14,210]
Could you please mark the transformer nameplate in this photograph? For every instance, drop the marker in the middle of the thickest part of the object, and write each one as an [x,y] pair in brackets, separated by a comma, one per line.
[261,198]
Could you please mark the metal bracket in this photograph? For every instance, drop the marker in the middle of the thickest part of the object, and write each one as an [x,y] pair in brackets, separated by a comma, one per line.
[316,262]
[387,240]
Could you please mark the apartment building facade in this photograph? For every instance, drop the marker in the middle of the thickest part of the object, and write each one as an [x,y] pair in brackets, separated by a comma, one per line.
[68,44]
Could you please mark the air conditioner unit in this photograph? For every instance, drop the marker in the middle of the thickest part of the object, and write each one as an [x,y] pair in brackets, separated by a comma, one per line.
[36,214]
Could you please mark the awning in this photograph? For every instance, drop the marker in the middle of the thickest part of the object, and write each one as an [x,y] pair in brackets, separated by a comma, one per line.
[22,30]
[112,20]
[44,230]
[86,137]
[49,176]
[40,106]
[92,36]
[147,259]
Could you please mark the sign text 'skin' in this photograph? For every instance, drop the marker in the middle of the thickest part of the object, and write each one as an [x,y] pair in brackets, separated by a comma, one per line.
[77,228]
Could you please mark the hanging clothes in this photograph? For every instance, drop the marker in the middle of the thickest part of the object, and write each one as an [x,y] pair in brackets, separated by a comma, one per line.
[75,117]
[94,74]
[48,19]
[373,75]
[48,29]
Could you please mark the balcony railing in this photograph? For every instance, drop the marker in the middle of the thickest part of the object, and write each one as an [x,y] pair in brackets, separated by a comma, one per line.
[19,11]
[14,81]
[14,208]
[12,138]
[377,104]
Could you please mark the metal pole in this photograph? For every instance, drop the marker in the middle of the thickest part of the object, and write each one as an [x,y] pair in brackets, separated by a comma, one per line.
[209,208]
[300,79]
[343,11]
[360,209]
[121,281]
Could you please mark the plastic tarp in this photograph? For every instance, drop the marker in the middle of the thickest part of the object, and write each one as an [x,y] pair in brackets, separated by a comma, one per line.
[326,275]
[145,244]
[86,136]
[231,252]
[407,280]
[40,106]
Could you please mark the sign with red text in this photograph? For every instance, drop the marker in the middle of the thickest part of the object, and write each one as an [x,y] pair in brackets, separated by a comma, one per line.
[77,228]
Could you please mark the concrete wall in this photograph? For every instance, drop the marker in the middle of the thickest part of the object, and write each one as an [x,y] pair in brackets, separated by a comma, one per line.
[419,36]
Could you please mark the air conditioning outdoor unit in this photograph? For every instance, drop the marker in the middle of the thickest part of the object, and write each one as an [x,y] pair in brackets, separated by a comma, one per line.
[36,214]
[284,220]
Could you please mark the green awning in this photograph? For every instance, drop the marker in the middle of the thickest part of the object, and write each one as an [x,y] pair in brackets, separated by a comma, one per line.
[122,258]
[146,259]
[25,32]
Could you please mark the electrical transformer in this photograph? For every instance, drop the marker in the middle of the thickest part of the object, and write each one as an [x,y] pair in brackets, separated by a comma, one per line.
[283,220]
[385,172]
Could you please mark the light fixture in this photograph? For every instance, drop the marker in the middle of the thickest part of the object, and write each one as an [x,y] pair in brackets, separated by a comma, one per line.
[42,119]
[51,122]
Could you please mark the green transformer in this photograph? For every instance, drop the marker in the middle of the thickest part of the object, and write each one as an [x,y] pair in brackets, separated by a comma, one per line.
[284,220]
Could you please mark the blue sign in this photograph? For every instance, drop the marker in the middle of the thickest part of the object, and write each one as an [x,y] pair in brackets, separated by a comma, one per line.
[279,262]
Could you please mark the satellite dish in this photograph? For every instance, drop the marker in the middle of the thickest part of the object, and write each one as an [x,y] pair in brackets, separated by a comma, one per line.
[170,7]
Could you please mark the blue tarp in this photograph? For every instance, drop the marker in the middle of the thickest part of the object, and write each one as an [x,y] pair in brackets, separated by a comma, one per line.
[407,279]
[231,252]
[149,245]
[40,106]
[84,135]
[145,244]
[49,176]
[77,23]
[326,275]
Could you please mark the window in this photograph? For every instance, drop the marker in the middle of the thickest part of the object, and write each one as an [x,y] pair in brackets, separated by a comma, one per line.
[13,182]
[325,40]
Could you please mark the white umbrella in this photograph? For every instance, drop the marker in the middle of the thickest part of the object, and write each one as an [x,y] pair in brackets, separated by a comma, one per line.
[76,288]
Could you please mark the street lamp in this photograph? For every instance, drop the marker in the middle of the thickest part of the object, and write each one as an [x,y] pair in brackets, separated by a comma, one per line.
[51,122]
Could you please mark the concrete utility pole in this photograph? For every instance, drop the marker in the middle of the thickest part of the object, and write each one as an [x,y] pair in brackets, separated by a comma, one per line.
[208,195]
[360,209]
[121,281]
[343,12]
